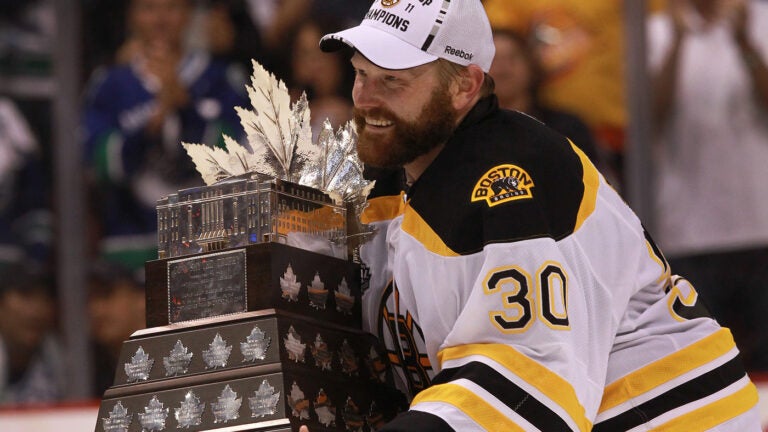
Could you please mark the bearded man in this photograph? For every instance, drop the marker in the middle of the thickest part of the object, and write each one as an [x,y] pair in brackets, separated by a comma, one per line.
[541,305]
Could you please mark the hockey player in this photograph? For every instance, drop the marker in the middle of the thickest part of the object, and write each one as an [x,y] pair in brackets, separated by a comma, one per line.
[513,287]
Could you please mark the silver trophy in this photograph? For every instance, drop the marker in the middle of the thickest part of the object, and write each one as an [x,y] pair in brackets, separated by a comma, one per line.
[258,256]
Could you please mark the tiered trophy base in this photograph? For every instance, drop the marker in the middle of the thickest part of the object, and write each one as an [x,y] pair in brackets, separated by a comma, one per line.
[256,371]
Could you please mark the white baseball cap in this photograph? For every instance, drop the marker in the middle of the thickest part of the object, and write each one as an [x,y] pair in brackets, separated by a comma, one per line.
[401,34]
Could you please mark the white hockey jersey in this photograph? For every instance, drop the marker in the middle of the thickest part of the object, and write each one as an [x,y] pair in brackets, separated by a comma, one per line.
[515,290]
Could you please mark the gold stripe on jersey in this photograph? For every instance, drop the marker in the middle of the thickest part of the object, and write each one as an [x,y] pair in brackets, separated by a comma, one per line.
[591,180]
[547,382]
[666,369]
[475,407]
[666,272]
[383,208]
[415,225]
[717,412]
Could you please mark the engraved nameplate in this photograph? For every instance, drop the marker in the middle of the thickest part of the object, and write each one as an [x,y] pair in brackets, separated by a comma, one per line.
[207,286]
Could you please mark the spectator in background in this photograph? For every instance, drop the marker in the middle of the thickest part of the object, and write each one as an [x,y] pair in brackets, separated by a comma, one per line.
[517,76]
[116,308]
[30,356]
[325,78]
[27,32]
[708,60]
[264,30]
[246,30]
[103,32]
[580,48]
[288,15]
[138,113]
[232,33]
[25,216]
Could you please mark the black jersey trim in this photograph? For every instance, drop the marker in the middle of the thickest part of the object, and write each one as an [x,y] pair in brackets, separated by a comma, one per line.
[507,392]
[416,226]
[698,354]
[555,388]
[489,140]
[691,391]
[417,421]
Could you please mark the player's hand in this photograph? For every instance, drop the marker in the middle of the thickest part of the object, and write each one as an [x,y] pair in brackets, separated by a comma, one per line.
[303,429]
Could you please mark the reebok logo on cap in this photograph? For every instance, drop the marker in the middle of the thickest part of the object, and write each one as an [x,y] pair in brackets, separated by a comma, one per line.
[458,53]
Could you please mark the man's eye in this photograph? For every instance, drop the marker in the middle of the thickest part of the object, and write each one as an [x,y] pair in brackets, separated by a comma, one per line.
[390,78]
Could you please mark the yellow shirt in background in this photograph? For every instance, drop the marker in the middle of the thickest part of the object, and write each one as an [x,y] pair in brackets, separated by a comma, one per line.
[580,44]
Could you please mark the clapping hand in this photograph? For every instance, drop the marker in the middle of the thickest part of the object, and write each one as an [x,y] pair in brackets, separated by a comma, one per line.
[161,62]
[677,11]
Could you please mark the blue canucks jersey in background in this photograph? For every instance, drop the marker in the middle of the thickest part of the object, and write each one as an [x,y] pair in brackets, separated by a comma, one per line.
[132,169]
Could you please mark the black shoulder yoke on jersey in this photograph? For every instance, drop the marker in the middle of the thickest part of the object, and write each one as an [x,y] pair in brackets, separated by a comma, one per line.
[502,177]
[388,181]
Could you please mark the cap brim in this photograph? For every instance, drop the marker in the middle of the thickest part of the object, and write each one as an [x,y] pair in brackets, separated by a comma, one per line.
[381,48]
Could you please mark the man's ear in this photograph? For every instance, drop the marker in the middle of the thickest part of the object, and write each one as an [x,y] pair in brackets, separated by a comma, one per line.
[467,87]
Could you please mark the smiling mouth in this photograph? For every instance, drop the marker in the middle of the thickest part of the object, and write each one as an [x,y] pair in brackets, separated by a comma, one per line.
[378,122]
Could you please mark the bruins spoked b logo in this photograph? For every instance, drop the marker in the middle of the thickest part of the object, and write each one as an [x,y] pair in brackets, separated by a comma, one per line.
[503,183]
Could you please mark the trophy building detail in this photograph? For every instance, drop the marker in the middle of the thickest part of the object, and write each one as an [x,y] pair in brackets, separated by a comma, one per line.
[246,210]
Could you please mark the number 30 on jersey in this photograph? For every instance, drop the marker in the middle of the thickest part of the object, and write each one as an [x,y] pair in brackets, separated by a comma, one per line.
[524,298]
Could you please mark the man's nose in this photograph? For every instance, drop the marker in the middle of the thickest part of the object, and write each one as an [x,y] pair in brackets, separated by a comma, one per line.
[365,95]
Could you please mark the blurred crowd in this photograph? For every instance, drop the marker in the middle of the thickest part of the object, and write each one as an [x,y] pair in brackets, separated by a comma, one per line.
[161,72]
